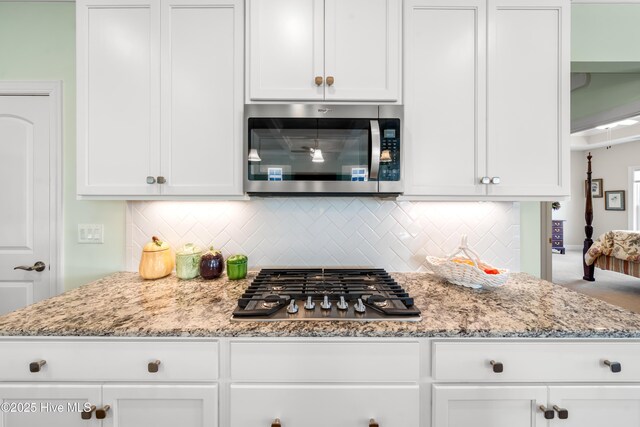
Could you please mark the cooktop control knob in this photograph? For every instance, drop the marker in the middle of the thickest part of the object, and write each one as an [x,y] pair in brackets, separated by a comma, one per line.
[325,304]
[359,307]
[293,307]
[309,304]
[342,304]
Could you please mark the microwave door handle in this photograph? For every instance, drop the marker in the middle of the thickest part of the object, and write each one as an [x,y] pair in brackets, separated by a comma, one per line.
[375,150]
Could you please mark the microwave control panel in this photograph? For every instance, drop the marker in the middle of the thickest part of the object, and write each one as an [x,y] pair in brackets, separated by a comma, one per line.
[389,150]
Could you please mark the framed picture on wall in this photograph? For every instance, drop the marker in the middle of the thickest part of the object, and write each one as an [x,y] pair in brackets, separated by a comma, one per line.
[596,188]
[614,200]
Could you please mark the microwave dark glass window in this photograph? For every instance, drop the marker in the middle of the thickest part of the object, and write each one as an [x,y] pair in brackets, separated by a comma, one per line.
[288,146]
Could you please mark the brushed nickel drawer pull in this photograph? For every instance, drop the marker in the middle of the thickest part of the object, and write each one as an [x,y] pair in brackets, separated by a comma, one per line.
[563,414]
[548,413]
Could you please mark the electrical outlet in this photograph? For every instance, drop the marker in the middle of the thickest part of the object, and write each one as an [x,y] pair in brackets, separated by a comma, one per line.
[91,233]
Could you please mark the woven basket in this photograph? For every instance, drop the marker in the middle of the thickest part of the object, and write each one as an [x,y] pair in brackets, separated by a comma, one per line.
[467,275]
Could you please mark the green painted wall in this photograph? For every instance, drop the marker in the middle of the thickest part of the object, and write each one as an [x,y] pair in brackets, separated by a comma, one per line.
[530,238]
[37,42]
[605,33]
[605,92]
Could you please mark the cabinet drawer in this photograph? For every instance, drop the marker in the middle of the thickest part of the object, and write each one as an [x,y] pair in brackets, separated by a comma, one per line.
[109,361]
[277,361]
[323,405]
[548,362]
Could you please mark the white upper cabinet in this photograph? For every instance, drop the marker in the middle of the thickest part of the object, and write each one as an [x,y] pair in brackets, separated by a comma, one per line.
[286,49]
[118,76]
[202,103]
[317,50]
[445,115]
[487,98]
[528,117]
[140,134]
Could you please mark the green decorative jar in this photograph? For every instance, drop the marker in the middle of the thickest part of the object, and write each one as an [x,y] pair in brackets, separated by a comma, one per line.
[237,267]
[188,261]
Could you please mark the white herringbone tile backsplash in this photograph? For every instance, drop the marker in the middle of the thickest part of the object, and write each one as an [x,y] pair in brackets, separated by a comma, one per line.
[331,231]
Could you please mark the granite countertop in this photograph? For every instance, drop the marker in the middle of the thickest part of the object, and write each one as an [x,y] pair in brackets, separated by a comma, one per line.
[125,305]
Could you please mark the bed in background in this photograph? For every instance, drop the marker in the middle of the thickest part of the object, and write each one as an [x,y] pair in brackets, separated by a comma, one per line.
[615,250]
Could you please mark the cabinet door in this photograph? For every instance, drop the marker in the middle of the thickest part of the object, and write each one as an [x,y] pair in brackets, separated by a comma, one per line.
[362,50]
[161,406]
[597,406]
[286,49]
[323,405]
[118,76]
[487,406]
[202,77]
[51,405]
[528,117]
[445,97]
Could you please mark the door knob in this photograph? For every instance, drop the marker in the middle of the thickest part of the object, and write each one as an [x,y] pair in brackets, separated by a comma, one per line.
[38,266]
[276,423]
[498,367]
[330,80]
[373,423]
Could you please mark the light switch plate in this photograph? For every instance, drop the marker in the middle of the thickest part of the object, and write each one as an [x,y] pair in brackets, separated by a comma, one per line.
[91,233]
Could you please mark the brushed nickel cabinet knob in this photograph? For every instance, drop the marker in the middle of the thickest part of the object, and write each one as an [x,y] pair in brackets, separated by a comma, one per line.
[276,423]
[495,180]
[373,423]
[151,180]
[485,180]
[161,180]
[37,366]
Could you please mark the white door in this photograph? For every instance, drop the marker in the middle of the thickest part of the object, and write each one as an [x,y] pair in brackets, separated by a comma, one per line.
[597,406]
[363,50]
[528,116]
[25,220]
[324,405]
[47,405]
[285,50]
[202,101]
[118,80]
[161,405]
[445,95]
[488,406]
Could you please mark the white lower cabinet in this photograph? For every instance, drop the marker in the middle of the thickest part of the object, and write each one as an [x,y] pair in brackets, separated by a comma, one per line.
[319,405]
[488,406]
[597,405]
[47,405]
[161,405]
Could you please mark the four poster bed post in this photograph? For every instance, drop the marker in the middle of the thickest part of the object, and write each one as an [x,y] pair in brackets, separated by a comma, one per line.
[588,229]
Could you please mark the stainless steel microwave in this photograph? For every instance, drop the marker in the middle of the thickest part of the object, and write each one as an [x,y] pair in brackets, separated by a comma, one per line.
[328,149]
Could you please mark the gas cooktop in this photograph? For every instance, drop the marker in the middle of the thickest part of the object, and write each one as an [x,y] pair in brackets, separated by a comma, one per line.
[325,294]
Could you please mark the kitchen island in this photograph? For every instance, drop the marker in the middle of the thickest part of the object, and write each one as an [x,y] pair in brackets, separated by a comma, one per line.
[166,352]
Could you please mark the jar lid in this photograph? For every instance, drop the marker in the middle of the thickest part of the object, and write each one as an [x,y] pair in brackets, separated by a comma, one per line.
[189,249]
[237,259]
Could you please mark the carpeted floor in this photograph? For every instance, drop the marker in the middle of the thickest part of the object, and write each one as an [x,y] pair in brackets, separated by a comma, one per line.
[614,288]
